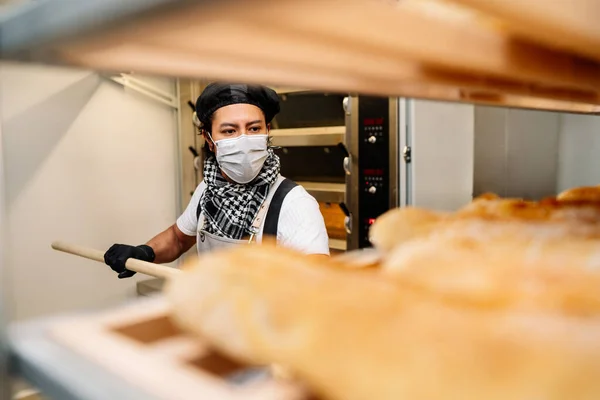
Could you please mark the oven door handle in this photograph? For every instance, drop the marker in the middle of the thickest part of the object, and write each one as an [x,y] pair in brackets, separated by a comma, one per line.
[347,158]
[348,165]
[347,218]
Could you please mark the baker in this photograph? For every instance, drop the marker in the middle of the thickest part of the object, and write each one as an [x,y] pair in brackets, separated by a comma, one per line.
[243,196]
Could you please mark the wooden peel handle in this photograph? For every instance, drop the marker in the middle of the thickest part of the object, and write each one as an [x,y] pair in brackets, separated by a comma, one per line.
[144,267]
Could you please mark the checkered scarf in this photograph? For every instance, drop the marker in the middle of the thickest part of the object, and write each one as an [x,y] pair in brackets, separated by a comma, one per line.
[229,208]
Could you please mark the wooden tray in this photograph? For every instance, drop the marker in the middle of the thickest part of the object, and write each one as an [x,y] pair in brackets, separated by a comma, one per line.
[334,220]
[139,343]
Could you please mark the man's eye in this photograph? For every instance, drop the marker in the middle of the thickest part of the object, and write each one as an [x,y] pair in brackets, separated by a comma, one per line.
[255,129]
[228,132]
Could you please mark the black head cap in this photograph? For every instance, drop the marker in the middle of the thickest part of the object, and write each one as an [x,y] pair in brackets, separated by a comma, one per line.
[217,95]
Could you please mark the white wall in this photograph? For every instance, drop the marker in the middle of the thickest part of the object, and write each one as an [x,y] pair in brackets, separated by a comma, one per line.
[87,162]
[442,149]
[579,151]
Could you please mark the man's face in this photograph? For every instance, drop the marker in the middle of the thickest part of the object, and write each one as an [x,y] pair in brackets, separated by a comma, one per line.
[237,119]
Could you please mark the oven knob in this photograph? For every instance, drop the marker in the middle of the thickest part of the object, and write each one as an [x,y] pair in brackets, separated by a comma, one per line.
[372,139]
[372,189]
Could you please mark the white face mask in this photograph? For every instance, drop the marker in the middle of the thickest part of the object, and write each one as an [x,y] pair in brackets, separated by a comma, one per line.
[243,157]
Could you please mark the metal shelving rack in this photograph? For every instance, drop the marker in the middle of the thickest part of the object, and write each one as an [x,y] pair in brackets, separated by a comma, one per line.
[510,53]
[5,390]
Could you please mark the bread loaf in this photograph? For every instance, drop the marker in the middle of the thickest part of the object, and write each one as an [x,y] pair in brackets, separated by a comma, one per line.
[584,193]
[545,273]
[360,336]
[400,225]
[498,300]
[546,217]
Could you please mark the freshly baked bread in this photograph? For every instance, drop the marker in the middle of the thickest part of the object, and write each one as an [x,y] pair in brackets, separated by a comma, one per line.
[584,193]
[423,329]
[546,217]
[498,300]
[541,273]
[402,224]
[495,208]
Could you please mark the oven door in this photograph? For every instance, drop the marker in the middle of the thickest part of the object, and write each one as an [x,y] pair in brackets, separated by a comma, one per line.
[309,135]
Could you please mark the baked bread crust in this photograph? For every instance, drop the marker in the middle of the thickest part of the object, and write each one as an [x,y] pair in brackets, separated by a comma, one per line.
[499,300]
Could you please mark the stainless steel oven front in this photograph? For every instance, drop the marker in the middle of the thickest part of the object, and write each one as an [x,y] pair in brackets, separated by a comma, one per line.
[372,163]
[344,150]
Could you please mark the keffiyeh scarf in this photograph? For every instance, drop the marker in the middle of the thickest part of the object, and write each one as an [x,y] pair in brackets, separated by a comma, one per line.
[230,208]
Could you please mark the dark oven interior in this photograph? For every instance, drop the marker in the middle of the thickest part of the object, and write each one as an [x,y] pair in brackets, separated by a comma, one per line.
[312,163]
[308,110]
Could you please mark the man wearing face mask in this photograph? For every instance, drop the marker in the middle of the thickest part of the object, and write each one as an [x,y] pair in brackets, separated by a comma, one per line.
[243,197]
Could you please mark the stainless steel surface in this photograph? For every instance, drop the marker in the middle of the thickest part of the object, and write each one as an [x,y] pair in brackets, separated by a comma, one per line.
[187,137]
[346,105]
[149,287]
[179,155]
[410,132]
[348,165]
[517,152]
[325,192]
[407,154]
[403,141]
[5,386]
[351,198]
[394,160]
[5,288]
[352,168]
[348,224]
[320,136]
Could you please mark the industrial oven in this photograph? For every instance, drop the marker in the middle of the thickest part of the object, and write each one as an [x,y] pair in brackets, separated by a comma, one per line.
[332,145]
[344,151]
[309,135]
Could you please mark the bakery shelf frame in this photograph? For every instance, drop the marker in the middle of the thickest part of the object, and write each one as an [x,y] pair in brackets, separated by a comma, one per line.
[531,54]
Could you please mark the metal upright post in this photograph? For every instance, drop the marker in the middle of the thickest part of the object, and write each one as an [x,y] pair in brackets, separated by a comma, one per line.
[5,386]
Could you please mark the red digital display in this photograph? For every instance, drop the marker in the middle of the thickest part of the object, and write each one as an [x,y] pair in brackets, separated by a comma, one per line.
[372,121]
[373,172]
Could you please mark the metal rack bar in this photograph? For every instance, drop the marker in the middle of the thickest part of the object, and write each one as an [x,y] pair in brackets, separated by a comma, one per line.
[34,24]
[130,82]
[5,386]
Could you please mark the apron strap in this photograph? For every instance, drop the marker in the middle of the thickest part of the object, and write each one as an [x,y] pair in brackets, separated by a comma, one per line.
[255,227]
[272,221]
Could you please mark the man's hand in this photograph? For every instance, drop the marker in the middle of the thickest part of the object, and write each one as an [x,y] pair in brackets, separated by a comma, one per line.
[117,256]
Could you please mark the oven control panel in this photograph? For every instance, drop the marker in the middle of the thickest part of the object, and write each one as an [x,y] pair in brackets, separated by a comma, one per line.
[373,181]
[373,163]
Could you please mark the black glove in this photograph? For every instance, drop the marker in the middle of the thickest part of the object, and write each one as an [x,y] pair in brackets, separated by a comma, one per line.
[117,256]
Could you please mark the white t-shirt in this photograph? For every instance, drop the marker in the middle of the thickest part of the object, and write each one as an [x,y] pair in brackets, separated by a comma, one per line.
[301,224]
